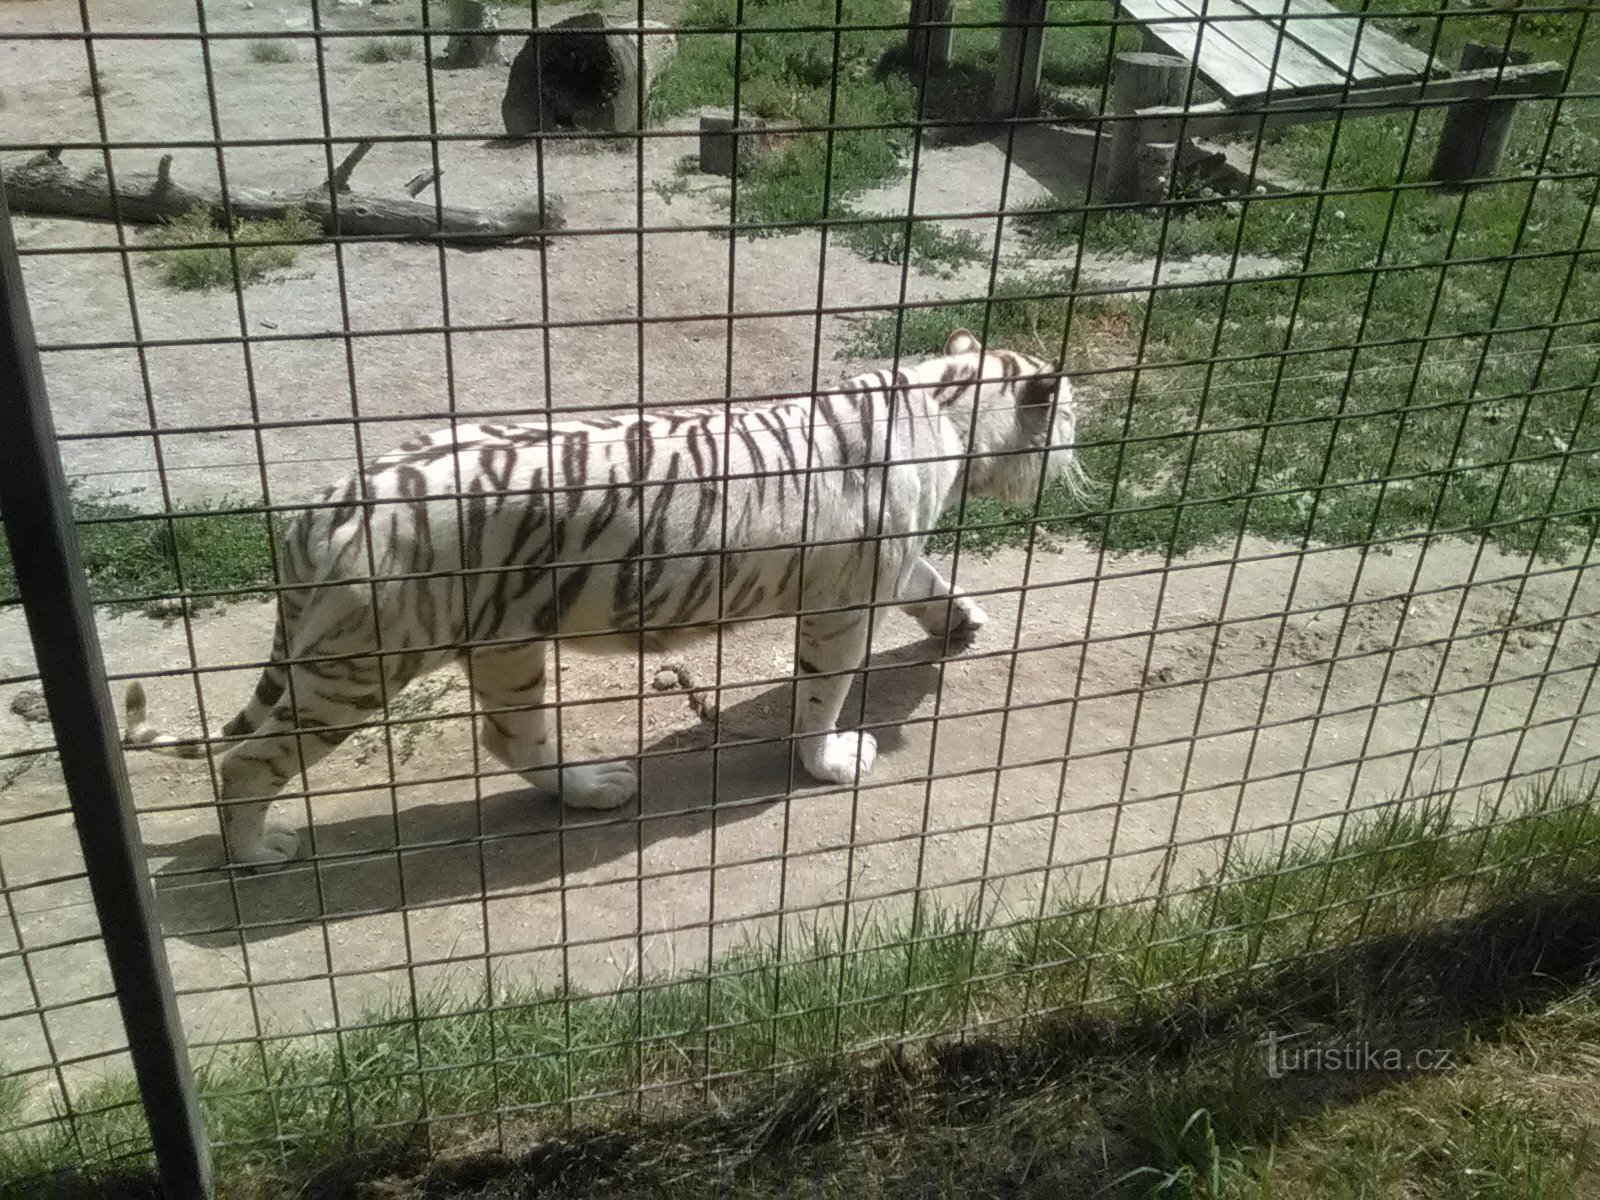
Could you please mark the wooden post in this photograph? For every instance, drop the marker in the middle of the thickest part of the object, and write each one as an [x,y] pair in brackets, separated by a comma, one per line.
[1016,79]
[928,48]
[1141,153]
[1475,131]
[720,148]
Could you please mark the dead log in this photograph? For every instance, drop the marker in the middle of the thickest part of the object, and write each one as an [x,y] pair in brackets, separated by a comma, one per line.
[45,186]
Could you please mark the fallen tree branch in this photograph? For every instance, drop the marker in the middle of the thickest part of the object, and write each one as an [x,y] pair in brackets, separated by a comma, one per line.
[422,180]
[342,173]
[45,186]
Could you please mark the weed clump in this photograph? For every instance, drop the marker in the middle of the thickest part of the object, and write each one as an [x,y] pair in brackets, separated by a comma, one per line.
[258,247]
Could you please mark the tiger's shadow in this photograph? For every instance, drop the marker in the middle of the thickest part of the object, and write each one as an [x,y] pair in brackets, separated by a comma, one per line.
[515,840]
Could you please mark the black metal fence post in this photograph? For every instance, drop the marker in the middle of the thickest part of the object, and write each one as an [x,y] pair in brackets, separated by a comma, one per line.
[44,549]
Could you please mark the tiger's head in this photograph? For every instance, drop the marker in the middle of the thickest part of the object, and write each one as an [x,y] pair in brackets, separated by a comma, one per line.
[1017,414]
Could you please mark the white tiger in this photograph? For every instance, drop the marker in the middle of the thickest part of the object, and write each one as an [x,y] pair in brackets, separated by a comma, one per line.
[488,540]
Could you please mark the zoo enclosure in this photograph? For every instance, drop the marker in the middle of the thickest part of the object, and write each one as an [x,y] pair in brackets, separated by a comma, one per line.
[1316,361]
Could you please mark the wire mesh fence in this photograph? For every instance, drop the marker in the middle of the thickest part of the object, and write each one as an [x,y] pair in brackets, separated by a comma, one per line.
[1263,523]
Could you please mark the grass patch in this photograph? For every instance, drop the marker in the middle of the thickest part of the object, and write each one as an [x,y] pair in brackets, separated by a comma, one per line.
[1404,913]
[254,246]
[266,51]
[789,76]
[127,556]
[13,1098]
[388,50]
[928,247]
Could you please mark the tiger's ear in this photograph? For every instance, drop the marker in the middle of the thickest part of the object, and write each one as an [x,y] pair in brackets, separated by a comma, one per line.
[962,342]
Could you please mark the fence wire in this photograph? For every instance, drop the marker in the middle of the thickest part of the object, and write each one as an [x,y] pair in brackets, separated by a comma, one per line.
[1302,650]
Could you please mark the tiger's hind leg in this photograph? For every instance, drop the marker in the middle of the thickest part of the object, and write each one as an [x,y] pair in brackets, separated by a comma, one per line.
[509,682]
[940,607]
[288,731]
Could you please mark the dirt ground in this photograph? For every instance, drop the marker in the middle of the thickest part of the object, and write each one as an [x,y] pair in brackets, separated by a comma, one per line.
[1130,762]
[1131,756]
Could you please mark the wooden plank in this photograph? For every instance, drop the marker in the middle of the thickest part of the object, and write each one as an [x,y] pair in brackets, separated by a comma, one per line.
[1331,36]
[1245,58]
[1507,83]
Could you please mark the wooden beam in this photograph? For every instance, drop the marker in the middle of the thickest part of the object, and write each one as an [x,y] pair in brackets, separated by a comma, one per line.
[1016,79]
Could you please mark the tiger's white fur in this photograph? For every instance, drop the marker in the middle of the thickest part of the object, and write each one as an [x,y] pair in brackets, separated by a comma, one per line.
[485,541]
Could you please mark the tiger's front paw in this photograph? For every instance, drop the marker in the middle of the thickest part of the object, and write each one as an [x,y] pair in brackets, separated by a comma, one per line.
[598,785]
[273,845]
[957,620]
[839,757]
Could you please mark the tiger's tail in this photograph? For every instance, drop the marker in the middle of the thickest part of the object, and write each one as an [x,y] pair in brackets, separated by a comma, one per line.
[139,733]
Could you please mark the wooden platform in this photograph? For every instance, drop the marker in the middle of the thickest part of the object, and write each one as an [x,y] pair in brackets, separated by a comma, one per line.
[1251,54]
[1276,62]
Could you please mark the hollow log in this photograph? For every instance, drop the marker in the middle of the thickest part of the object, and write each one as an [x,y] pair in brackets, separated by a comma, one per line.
[583,73]
[45,186]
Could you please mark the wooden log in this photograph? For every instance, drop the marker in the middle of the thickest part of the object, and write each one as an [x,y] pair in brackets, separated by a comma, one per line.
[480,48]
[1474,136]
[583,73]
[45,186]
[1016,79]
[928,36]
[1141,159]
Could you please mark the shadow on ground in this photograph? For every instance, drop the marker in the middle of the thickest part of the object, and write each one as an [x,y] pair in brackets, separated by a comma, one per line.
[445,854]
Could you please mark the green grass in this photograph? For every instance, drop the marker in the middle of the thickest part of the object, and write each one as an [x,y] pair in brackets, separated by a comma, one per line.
[266,51]
[928,247]
[388,50]
[1340,929]
[13,1098]
[190,268]
[126,557]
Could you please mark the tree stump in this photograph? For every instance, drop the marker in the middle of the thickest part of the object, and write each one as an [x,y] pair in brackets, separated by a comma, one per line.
[477,49]
[1143,155]
[1475,131]
[584,73]
[724,142]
